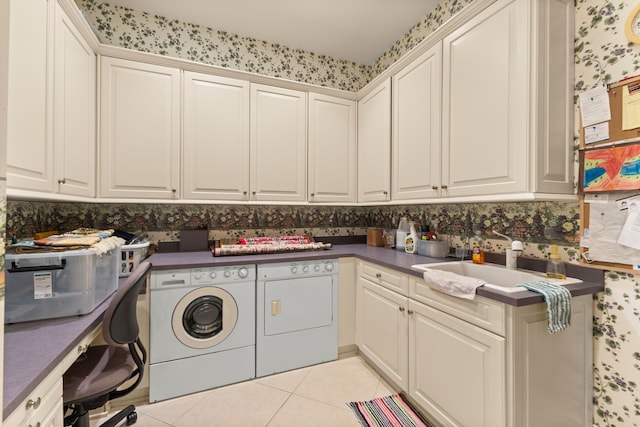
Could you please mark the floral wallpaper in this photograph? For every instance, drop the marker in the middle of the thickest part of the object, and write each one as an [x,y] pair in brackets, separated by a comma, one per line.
[604,55]
[141,31]
[536,224]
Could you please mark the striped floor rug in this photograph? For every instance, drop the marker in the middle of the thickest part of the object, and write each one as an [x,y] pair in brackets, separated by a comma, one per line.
[390,411]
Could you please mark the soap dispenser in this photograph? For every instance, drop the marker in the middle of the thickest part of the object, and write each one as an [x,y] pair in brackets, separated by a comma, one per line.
[555,267]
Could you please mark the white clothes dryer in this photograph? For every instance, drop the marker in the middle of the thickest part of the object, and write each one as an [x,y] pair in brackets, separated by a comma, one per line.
[202,329]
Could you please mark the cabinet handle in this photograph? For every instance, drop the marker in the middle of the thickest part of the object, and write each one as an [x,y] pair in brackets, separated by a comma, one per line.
[82,348]
[378,275]
[401,308]
[62,181]
[37,424]
[434,187]
[33,403]
[410,311]
[444,187]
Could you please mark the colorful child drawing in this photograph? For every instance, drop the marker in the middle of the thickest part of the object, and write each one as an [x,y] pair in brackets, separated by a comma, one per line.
[612,168]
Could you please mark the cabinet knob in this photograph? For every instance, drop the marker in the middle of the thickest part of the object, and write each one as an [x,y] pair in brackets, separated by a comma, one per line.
[444,187]
[253,192]
[244,193]
[401,308]
[410,311]
[37,424]
[313,194]
[33,403]
[434,187]
[378,275]
[62,181]
[82,348]
[173,190]
[385,193]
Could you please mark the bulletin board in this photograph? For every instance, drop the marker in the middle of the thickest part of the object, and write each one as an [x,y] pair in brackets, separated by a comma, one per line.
[603,193]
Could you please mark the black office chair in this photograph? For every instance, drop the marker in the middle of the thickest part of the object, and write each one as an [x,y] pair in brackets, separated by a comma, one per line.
[96,376]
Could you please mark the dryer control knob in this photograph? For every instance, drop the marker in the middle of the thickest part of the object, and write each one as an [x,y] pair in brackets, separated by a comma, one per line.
[294,270]
[243,272]
[227,274]
[328,266]
[305,268]
[212,275]
[316,268]
[197,274]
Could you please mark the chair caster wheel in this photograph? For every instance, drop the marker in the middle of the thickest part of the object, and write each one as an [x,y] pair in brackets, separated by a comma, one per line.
[132,418]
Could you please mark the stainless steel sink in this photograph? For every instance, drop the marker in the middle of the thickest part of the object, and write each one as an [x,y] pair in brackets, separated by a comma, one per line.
[497,276]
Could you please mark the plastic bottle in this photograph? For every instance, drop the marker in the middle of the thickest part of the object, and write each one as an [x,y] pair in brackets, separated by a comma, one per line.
[401,233]
[555,267]
[411,241]
[477,253]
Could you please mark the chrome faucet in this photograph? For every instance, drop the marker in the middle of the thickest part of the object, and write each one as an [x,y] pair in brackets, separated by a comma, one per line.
[512,252]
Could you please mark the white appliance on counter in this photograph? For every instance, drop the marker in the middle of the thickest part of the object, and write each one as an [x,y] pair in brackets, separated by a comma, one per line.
[202,329]
[297,315]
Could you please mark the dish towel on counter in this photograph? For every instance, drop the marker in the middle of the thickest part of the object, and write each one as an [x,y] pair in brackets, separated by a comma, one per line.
[453,284]
[558,299]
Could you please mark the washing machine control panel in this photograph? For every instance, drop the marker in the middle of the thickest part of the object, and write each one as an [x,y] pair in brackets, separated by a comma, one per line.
[213,275]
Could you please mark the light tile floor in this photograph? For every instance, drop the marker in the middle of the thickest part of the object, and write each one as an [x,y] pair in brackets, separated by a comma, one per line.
[307,397]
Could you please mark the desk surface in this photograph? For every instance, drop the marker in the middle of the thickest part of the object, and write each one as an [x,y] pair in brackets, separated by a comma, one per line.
[32,349]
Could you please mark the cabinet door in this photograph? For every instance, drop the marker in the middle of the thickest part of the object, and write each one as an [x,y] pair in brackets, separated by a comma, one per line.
[216,138]
[332,149]
[30,95]
[381,329]
[416,127]
[75,109]
[374,144]
[485,104]
[139,130]
[278,144]
[456,370]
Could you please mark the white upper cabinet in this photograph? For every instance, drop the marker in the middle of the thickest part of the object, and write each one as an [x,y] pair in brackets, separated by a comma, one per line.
[332,149]
[215,161]
[51,127]
[75,111]
[507,100]
[416,127]
[139,130]
[374,144]
[30,95]
[278,144]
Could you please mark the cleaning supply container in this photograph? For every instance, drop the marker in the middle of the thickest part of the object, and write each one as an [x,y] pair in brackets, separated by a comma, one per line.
[131,256]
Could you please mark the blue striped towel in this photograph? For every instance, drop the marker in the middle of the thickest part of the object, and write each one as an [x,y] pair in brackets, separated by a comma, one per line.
[558,299]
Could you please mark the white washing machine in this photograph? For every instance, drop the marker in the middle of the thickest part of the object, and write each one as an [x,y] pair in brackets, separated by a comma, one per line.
[202,329]
[297,315]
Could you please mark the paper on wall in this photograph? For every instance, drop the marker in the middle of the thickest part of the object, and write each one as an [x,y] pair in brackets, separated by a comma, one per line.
[631,106]
[606,221]
[596,133]
[594,106]
[630,233]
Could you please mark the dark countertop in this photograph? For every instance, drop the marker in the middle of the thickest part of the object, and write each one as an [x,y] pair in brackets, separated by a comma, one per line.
[593,279]
[32,349]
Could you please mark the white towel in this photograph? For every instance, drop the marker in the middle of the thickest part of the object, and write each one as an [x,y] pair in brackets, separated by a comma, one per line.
[452,283]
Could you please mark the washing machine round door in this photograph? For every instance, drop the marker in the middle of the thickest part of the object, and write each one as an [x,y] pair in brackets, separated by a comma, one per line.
[204,317]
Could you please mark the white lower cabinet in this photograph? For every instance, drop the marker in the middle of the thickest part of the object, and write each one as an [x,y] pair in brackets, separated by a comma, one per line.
[381,329]
[475,363]
[456,369]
